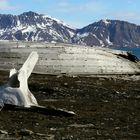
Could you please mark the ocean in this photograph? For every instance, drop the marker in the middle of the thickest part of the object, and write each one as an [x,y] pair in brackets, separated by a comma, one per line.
[135,51]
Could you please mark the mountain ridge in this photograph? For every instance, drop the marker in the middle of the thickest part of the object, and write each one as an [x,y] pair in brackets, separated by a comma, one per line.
[112,33]
[31,26]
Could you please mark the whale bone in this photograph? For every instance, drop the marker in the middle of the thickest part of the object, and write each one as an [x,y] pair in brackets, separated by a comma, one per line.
[19,96]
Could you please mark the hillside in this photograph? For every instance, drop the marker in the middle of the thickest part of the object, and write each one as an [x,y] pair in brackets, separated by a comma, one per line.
[31,26]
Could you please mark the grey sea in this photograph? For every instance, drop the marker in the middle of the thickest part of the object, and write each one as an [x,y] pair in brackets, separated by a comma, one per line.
[135,51]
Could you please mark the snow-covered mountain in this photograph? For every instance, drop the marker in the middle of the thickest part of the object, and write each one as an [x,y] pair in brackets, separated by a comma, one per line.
[110,33]
[31,26]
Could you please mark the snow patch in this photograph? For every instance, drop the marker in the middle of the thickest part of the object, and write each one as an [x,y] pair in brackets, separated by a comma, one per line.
[101,35]
[49,23]
[41,26]
[108,41]
[86,34]
[18,23]
[57,20]
[106,21]
[71,33]
[101,42]
[29,29]
[83,35]
[95,28]
[36,37]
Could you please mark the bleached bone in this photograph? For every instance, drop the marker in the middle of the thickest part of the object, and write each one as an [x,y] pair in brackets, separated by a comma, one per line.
[19,96]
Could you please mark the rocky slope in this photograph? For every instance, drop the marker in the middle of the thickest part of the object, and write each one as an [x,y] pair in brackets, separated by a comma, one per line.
[109,33]
[31,26]
[106,108]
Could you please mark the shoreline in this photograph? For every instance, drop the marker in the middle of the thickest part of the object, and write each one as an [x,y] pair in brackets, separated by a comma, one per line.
[73,61]
[126,77]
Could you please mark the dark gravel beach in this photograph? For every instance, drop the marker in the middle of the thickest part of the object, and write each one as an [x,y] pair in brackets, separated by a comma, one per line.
[106,109]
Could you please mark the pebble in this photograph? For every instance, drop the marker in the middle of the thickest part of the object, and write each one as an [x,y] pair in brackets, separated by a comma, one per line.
[39,134]
[3,132]
[37,124]
[65,84]
[117,128]
[25,132]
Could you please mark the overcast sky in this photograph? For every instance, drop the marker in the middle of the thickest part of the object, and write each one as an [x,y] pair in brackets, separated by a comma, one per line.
[77,13]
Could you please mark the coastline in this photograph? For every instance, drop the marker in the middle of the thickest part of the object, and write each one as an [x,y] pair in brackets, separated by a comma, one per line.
[73,60]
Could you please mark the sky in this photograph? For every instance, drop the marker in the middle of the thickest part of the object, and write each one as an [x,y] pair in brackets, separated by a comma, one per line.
[77,13]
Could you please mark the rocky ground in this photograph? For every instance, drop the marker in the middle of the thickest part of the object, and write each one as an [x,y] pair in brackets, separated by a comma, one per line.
[106,109]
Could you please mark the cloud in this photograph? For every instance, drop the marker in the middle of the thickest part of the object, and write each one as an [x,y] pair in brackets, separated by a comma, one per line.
[130,2]
[130,16]
[40,1]
[63,4]
[4,5]
[126,15]
[90,6]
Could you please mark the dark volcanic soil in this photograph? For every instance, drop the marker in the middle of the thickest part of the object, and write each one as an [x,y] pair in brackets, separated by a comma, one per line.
[106,108]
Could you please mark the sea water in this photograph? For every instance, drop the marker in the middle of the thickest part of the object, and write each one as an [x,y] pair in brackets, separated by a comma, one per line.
[135,51]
